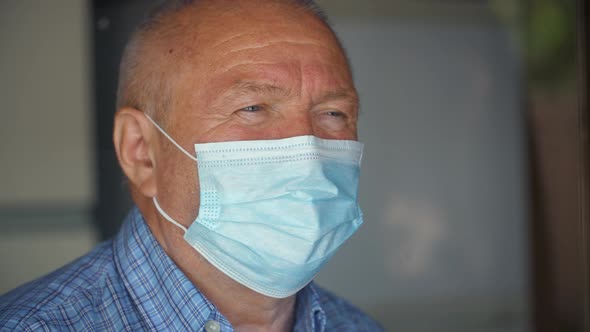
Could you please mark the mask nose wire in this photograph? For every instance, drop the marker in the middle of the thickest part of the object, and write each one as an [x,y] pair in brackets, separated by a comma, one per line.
[170,138]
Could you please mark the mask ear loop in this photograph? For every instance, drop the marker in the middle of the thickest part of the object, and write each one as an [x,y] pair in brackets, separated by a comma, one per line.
[164,214]
[170,138]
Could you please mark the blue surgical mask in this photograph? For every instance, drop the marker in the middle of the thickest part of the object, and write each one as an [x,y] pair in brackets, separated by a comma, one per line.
[273,212]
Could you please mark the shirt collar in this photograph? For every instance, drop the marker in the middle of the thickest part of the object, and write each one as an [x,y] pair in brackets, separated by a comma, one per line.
[309,315]
[162,293]
[165,297]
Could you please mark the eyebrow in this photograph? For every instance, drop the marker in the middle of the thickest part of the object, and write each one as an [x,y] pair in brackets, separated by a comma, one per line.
[242,88]
[349,94]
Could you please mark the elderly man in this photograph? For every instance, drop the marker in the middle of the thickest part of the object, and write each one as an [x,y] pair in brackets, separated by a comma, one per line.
[236,128]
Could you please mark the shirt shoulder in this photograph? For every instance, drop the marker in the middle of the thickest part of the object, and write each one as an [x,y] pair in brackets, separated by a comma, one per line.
[58,297]
[343,316]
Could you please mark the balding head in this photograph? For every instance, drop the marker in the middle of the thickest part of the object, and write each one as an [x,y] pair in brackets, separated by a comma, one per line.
[162,45]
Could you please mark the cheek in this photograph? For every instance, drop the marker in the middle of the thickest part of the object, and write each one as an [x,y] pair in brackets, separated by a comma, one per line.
[346,134]
[239,132]
[178,187]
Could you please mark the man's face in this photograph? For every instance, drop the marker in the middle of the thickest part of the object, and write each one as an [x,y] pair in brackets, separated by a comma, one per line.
[258,72]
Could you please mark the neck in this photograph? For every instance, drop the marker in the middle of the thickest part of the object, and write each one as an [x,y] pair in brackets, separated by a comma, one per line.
[245,309]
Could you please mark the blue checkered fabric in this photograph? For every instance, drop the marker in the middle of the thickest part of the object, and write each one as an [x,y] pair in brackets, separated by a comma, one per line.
[130,284]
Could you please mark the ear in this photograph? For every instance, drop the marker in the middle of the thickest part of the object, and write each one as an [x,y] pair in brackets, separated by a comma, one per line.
[131,136]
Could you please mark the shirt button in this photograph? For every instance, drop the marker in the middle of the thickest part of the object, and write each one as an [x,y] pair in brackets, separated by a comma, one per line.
[212,326]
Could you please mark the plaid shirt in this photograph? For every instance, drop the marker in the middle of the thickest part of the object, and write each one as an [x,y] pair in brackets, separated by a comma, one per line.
[130,284]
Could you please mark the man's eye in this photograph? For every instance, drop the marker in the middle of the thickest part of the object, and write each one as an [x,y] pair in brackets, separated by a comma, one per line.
[253,108]
[333,119]
[253,114]
[335,113]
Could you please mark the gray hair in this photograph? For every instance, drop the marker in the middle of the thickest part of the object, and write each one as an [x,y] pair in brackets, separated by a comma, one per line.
[145,84]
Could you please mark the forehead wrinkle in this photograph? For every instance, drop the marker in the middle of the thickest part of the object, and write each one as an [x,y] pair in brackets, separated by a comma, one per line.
[278,42]
[228,40]
[245,63]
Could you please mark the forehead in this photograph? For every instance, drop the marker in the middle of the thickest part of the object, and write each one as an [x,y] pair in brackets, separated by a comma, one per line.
[218,15]
[218,44]
[211,29]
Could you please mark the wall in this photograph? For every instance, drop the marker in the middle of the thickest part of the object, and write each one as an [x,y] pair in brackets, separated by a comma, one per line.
[46,177]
